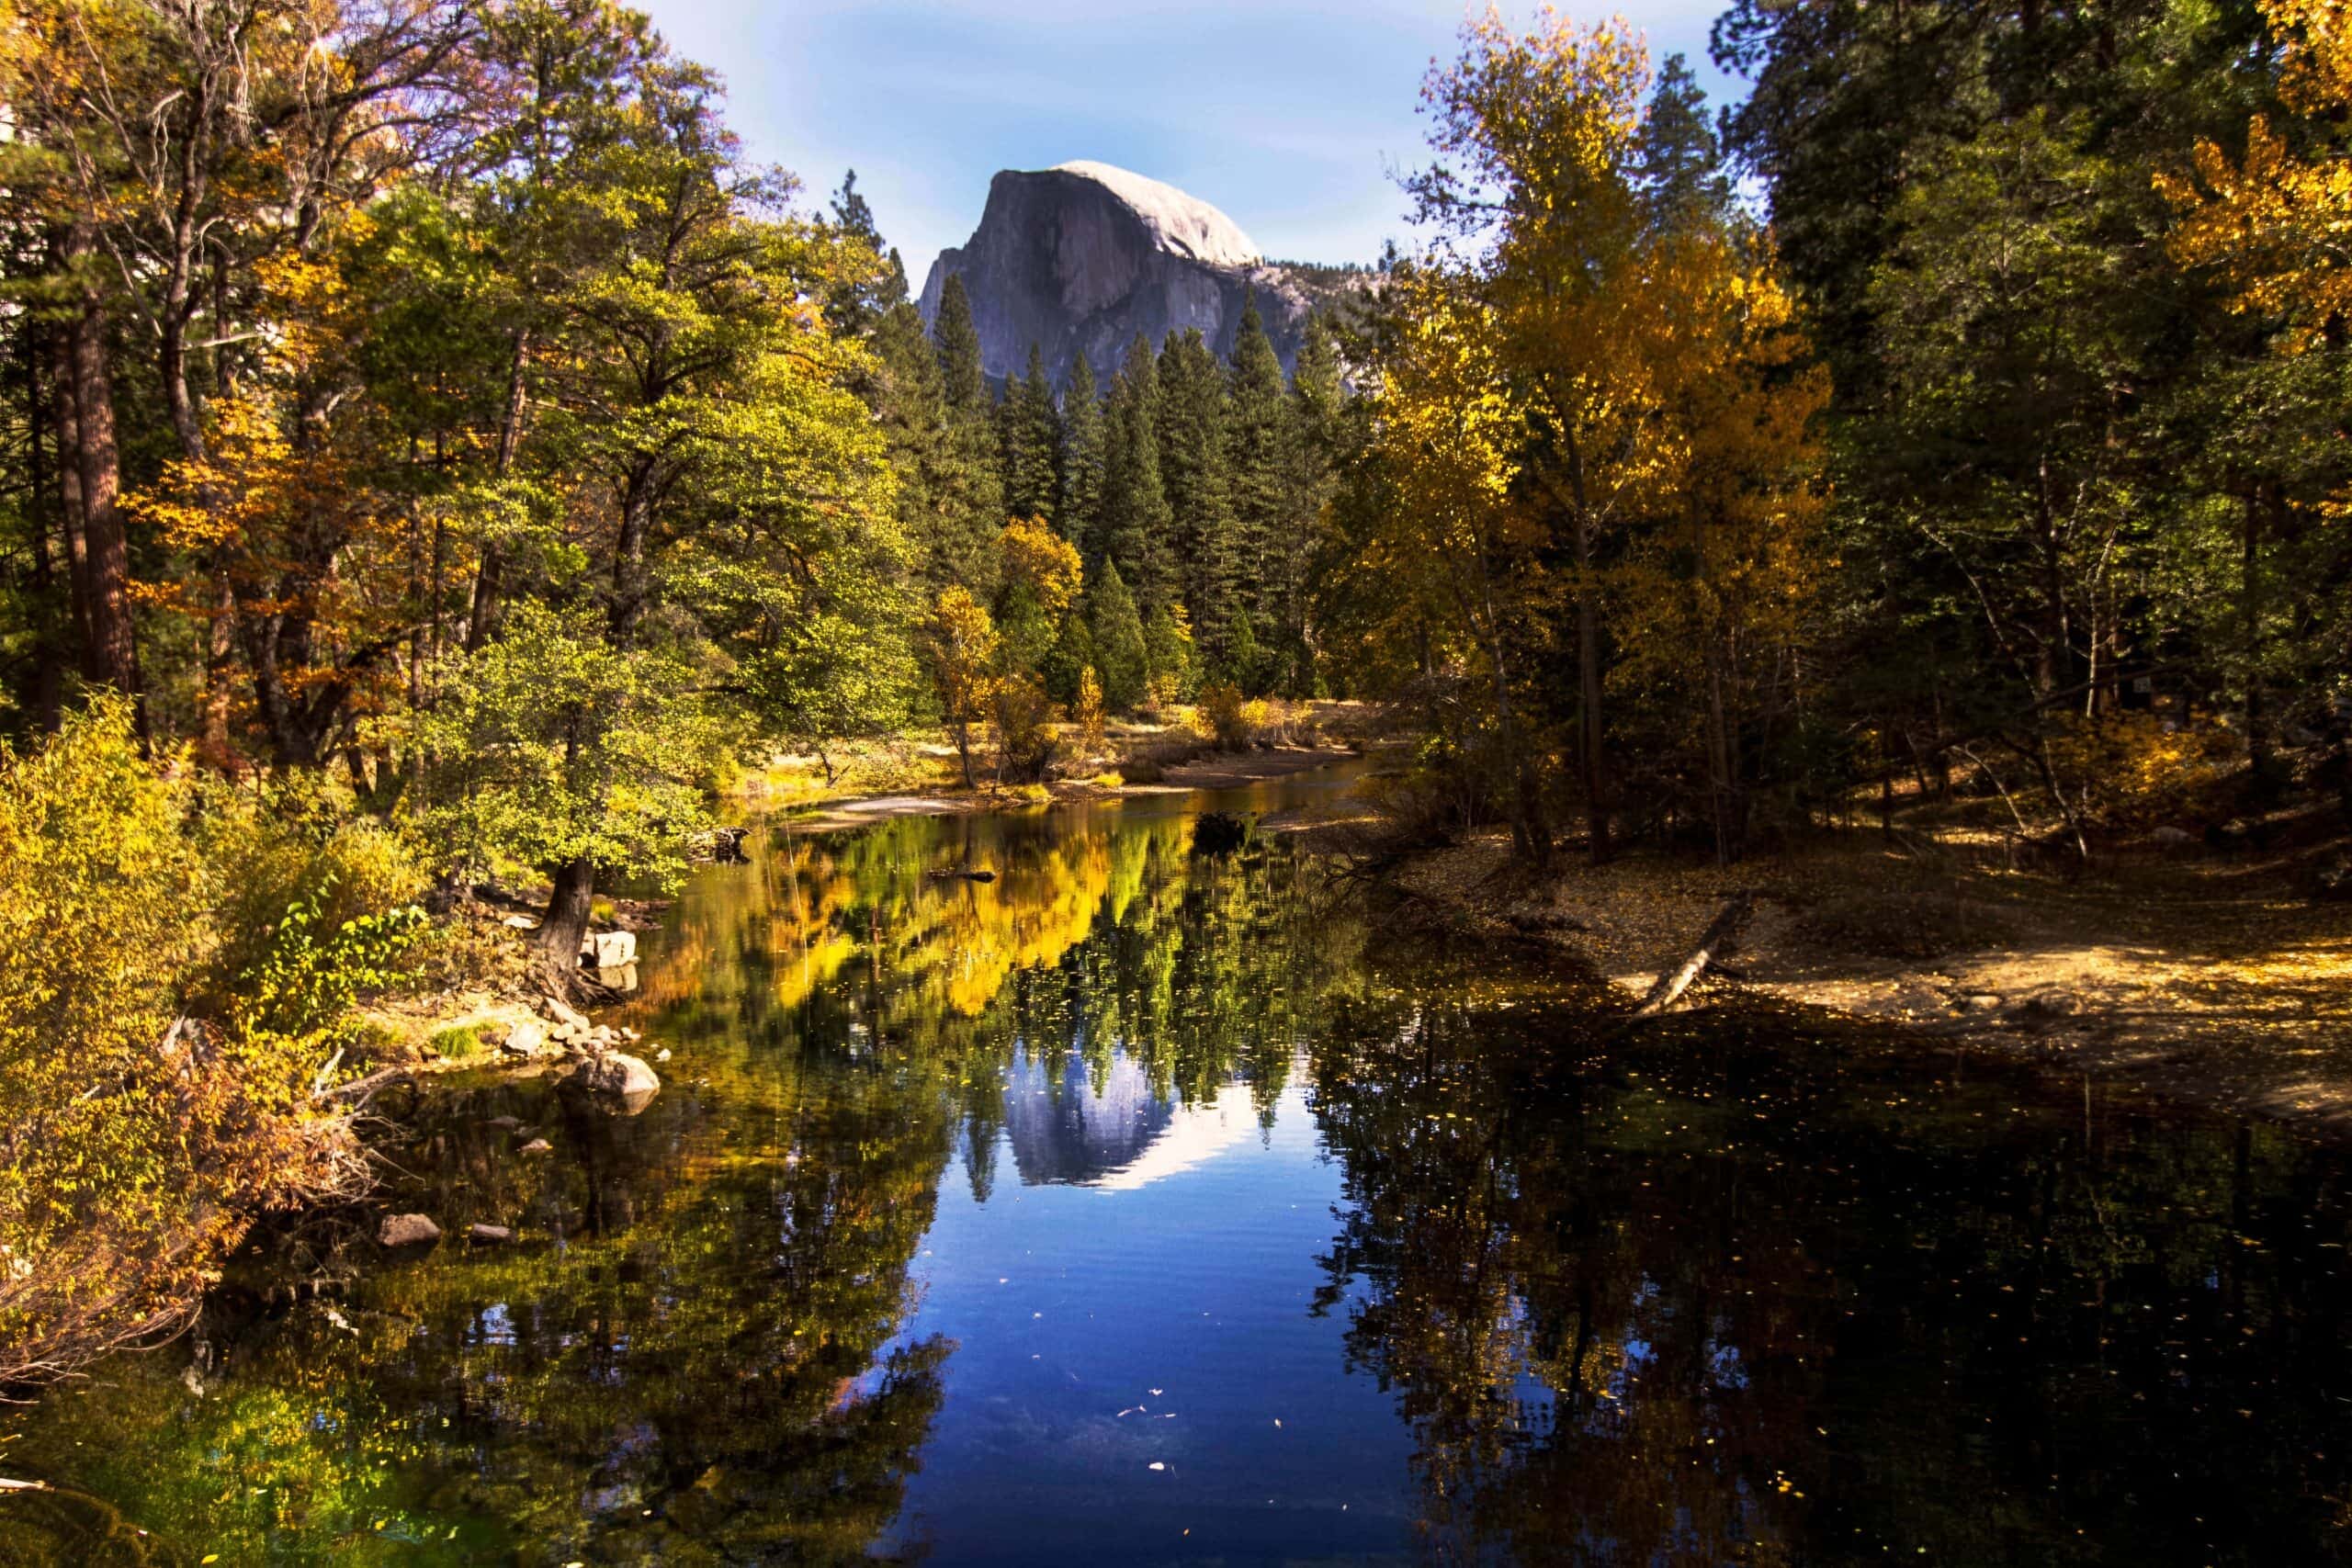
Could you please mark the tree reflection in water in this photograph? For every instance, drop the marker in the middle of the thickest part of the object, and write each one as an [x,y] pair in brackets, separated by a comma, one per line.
[1731,1291]
[1742,1293]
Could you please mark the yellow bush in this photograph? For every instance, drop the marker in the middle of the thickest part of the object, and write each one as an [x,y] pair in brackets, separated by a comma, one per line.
[1224,715]
[154,1072]
[2127,771]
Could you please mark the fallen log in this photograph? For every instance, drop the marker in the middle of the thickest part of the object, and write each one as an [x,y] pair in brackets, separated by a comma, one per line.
[1717,936]
[964,876]
[360,1089]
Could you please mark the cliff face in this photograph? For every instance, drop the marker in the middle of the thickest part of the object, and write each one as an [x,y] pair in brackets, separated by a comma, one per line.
[1082,257]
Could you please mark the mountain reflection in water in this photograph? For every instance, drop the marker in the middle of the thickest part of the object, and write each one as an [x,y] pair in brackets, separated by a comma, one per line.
[1142,1207]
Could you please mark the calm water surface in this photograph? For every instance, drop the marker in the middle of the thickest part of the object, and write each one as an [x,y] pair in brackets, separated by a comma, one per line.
[1141,1207]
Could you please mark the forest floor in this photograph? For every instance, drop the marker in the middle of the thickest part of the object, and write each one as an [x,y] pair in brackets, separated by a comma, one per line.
[2216,976]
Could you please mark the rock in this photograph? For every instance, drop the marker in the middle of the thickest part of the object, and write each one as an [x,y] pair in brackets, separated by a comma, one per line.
[489,1236]
[536,1146]
[503,1123]
[607,950]
[1080,258]
[520,922]
[727,846]
[528,1037]
[2173,838]
[622,977]
[2048,1007]
[406,1230]
[618,1076]
[662,1055]
[1977,1001]
[561,1012]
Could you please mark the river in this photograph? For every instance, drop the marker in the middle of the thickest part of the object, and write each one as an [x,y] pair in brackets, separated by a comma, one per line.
[1148,1207]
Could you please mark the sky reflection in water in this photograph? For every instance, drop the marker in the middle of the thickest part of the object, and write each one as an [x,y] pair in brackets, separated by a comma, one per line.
[1137,1207]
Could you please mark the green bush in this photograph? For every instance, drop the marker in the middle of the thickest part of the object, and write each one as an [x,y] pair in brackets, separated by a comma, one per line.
[456,1042]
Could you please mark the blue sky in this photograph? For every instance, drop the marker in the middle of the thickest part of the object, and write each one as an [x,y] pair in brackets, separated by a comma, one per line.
[1290,115]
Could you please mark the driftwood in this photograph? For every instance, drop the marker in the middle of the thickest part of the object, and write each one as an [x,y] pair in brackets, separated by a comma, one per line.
[1717,938]
[961,875]
[360,1089]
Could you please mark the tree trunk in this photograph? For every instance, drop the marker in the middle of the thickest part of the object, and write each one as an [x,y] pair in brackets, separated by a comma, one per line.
[112,658]
[564,925]
[2261,756]
[220,668]
[1596,777]
[48,656]
[490,578]
[629,556]
[69,489]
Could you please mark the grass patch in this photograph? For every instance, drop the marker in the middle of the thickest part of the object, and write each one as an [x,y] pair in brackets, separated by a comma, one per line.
[456,1042]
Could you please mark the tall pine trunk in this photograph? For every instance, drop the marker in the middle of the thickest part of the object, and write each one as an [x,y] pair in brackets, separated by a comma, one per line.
[112,657]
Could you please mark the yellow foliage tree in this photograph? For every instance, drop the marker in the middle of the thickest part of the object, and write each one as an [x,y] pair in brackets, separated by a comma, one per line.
[963,668]
[1719,586]
[2272,222]
[1537,137]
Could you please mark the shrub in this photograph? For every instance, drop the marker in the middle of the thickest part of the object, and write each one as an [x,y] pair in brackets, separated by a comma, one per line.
[1224,713]
[1086,711]
[2128,771]
[156,1052]
[1020,710]
[455,1042]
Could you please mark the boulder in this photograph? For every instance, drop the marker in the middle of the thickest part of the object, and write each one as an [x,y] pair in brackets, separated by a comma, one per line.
[489,1236]
[618,1076]
[536,1146]
[607,950]
[528,1037]
[407,1230]
[561,1012]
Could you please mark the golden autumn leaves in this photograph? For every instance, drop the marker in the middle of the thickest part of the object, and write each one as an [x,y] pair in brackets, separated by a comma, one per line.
[2272,222]
[1594,399]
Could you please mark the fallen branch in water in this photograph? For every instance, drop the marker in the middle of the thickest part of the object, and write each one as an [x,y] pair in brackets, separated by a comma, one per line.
[1717,936]
[360,1089]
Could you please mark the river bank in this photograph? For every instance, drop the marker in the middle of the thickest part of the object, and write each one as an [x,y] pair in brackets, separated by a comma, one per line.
[2208,977]
[1209,769]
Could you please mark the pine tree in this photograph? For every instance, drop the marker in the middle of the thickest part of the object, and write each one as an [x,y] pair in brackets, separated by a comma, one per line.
[1311,437]
[855,303]
[970,490]
[1200,503]
[1119,658]
[1031,443]
[963,382]
[1137,527]
[1084,442]
[914,421]
[1679,162]
[1258,438]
